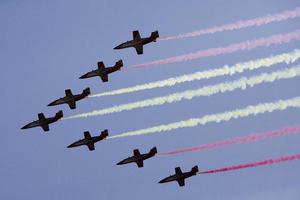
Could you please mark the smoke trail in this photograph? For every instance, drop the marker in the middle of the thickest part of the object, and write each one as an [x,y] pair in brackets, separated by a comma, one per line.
[219,117]
[238,140]
[282,16]
[254,164]
[246,45]
[225,70]
[241,83]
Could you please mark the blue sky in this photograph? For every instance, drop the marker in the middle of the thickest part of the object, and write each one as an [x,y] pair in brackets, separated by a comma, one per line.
[46,45]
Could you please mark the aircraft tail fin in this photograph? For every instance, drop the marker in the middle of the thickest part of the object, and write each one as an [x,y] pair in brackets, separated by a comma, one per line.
[59,114]
[119,63]
[154,35]
[104,133]
[87,91]
[195,169]
[153,151]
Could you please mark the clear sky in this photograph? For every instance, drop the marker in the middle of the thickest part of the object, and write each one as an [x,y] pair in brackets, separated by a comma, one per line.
[46,45]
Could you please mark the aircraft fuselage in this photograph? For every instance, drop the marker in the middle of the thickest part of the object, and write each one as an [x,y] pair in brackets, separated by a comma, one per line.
[37,123]
[101,73]
[134,43]
[131,159]
[63,100]
[86,141]
[177,177]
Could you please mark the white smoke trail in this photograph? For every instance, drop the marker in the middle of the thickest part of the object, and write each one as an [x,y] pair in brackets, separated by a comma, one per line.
[282,16]
[241,83]
[219,117]
[225,70]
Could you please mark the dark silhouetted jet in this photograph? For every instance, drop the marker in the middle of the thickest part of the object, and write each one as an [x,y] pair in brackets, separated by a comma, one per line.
[90,141]
[179,176]
[138,42]
[102,71]
[43,121]
[71,99]
[138,158]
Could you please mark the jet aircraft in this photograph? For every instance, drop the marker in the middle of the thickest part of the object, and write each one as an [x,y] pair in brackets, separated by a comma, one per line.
[103,71]
[44,122]
[138,42]
[71,99]
[89,141]
[180,176]
[138,158]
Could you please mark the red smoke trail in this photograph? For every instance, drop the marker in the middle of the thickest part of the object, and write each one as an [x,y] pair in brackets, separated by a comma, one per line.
[246,45]
[238,140]
[285,15]
[254,164]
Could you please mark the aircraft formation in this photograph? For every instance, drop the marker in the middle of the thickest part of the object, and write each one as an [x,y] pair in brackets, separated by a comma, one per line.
[103,72]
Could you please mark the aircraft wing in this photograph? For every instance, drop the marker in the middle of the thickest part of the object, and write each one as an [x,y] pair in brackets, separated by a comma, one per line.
[68,93]
[104,78]
[136,153]
[72,104]
[101,65]
[139,49]
[139,163]
[45,127]
[87,135]
[181,182]
[178,171]
[91,146]
[136,35]
[41,117]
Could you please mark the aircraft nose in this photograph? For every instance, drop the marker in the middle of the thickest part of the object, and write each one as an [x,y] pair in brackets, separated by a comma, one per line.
[120,163]
[82,77]
[51,104]
[162,181]
[118,47]
[24,127]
